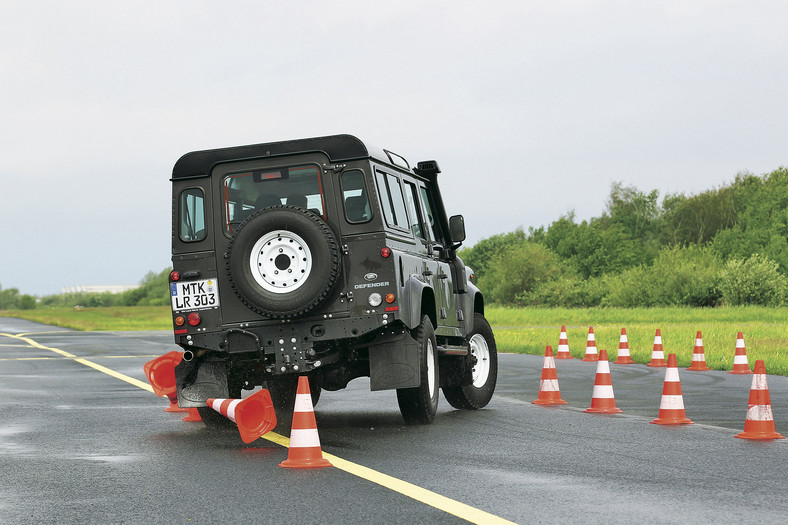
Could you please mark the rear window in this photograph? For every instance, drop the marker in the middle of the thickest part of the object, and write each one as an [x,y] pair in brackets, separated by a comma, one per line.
[192,215]
[354,196]
[245,193]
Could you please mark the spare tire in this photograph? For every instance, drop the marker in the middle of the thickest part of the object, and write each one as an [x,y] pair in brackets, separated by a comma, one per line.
[283,261]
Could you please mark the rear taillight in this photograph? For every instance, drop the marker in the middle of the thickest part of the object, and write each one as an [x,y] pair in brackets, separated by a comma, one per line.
[194,319]
[175,275]
[180,320]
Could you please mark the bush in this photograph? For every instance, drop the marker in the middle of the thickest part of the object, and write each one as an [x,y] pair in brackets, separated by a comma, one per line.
[753,281]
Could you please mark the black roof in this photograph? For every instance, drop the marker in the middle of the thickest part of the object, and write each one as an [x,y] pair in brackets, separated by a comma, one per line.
[338,148]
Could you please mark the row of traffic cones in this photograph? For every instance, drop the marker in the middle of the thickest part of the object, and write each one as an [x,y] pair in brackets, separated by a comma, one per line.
[740,364]
[254,415]
[759,424]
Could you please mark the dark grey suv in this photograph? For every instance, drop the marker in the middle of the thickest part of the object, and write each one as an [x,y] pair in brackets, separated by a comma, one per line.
[323,257]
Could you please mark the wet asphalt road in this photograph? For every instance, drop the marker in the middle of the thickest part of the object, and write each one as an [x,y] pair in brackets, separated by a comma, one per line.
[80,446]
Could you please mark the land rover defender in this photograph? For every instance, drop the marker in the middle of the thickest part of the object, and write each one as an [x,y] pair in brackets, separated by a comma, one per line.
[324,257]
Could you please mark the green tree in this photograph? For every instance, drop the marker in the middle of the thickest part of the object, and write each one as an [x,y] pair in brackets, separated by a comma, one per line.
[755,280]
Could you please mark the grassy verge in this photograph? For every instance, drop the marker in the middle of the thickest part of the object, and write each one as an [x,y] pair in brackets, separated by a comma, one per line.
[524,330]
[765,332]
[100,319]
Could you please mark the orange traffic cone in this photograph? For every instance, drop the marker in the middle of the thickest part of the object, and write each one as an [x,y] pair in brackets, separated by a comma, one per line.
[254,415]
[740,364]
[591,354]
[657,354]
[602,400]
[671,407]
[161,376]
[623,357]
[563,346]
[760,421]
[304,449]
[698,355]
[549,394]
[192,416]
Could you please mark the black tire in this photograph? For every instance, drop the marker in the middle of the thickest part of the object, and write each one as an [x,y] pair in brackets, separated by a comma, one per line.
[295,266]
[418,405]
[480,366]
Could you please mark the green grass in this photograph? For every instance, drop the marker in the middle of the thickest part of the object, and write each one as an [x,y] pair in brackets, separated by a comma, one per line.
[111,318]
[528,330]
[524,330]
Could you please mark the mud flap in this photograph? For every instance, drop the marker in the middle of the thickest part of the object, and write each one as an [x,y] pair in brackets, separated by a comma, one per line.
[394,363]
[199,380]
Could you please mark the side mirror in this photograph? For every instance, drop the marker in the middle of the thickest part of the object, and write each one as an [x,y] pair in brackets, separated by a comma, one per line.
[456,229]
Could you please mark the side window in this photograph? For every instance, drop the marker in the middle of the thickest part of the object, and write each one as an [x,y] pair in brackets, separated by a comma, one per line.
[192,215]
[411,201]
[354,195]
[431,226]
[390,192]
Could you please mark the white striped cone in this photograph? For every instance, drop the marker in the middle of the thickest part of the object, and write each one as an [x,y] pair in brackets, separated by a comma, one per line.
[760,421]
[623,357]
[657,353]
[591,352]
[671,407]
[549,394]
[740,364]
[698,355]
[602,400]
[304,451]
[563,346]
[254,415]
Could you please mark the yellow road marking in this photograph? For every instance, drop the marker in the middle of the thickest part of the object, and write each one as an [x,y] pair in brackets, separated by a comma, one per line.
[428,497]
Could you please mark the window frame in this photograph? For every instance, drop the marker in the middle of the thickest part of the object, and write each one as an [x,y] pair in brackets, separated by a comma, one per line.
[183,205]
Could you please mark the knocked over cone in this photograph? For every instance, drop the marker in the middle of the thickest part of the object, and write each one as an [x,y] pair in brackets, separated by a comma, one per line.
[161,376]
[254,415]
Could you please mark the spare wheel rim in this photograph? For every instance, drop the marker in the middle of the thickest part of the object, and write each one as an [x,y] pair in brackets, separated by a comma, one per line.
[480,350]
[280,261]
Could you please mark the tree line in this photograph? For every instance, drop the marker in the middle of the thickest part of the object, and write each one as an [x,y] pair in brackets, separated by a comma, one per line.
[727,245]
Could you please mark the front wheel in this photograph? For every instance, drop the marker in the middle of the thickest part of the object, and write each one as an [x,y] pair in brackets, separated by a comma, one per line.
[482,362]
[418,405]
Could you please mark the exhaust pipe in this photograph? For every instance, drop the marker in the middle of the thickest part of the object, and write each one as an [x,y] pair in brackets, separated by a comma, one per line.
[188,355]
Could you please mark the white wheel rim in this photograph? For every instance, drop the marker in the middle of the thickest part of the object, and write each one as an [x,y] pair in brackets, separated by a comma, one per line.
[481,351]
[280,261]
[430,368]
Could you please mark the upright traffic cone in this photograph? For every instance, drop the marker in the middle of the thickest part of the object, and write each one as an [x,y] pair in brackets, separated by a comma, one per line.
[591,353]
[760,421]
[161,376]
[623,357]
[563,346]
[254,415]
[671,407]
[304,451]
[602,400]
[740,364]
[698,355]
[549,394]
[657,354]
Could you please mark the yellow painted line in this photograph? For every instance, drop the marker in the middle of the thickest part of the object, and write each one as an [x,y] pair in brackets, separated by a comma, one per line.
[428,497]
[91,364]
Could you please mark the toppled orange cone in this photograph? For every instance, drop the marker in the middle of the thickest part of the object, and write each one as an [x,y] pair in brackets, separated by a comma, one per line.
[602,400]
[591,353]
[254,415]
[304,451]
[161,376]
[623,357]
[698,355]
[671,407]
[740,364]
[760,421]
[657,353]
[549,394]
[563,346]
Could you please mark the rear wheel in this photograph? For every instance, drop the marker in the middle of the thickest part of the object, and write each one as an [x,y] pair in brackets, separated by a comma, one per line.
[481,365]
[418,405]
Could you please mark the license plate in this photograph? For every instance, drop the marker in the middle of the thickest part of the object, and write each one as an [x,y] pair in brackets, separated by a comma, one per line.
[194,295]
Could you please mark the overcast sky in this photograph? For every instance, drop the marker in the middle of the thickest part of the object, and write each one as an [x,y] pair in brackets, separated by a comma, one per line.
[532,108]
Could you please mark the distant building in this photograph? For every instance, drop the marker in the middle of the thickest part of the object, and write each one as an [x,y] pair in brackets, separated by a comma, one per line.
[99,288]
